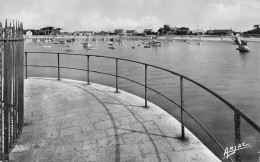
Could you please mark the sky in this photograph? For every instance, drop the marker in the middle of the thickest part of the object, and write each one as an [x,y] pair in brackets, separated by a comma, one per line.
[107,15]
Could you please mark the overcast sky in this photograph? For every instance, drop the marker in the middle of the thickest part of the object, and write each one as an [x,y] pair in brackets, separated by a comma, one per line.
[97,15]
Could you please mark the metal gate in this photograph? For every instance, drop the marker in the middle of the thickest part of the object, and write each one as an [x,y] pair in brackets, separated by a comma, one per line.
[11,86]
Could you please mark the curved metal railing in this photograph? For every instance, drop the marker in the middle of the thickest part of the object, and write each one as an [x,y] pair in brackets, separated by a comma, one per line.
[238,114]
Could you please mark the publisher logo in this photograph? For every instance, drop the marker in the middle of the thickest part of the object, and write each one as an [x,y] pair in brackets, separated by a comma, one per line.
[232,149]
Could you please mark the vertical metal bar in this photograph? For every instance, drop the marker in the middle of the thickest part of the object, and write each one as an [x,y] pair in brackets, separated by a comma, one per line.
[117,75]
[7,97]
[237,121]
[145,85]
[88,69]
[26,65]
[58,66]
[182,104]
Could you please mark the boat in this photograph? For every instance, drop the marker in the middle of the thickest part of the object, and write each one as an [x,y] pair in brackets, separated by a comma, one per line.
[147,46]
[86,44]
[69,50]
[155,43]
[62,41]
[89,48]
[46,46]
[111,47]
[55,42]
[242,45]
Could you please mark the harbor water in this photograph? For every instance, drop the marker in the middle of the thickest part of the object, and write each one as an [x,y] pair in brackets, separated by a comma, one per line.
[214,63]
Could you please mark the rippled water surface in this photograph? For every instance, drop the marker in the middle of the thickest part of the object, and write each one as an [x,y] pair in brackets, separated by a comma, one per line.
[215,64]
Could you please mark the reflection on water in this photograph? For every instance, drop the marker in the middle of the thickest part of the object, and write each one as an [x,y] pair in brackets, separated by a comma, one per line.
[215,64]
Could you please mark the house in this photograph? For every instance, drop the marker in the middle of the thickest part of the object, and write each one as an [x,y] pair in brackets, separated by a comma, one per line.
[56,31]
[120,31]
[83,33]
[223,32]
[29,33]
[148,31]
[103,33]
[131,32]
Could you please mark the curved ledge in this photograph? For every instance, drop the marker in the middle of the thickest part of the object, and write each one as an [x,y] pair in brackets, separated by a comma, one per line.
[70,120]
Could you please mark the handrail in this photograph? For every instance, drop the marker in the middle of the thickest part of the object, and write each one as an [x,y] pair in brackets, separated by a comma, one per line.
[237,113]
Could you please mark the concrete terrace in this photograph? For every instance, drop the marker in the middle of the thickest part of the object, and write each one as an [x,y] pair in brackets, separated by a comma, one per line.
[69,120]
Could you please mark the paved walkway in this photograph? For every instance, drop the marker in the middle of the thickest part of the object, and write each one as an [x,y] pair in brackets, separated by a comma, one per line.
[70,121]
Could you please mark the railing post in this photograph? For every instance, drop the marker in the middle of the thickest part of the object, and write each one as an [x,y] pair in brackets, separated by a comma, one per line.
[182,104]
[116,75]
[26,65]
[7,94]
[237,121]
[58,66]
[145,85]
[88,69]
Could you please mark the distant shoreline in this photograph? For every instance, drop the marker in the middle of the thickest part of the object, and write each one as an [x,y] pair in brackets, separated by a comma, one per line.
[175,37]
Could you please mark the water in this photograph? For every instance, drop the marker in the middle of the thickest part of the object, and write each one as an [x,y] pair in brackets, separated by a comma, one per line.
[216,64]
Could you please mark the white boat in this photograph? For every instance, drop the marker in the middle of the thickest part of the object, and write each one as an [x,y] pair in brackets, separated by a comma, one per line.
[86,44]
[242,45]
[90,48]
[46,46]
[155,43]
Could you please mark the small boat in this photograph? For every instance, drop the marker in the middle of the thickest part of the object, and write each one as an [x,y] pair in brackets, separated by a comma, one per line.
[199,43]
[69,50]
[86,44]
[55,42]
[46,46]
[111,47]
[89,48]
[103,39]
[110,43]
[67,45]
[133,47]
[155,43]
[147,46]
[62,41]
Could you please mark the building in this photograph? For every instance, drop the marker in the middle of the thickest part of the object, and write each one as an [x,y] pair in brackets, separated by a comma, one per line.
[148,31]
[131,32]
[56,31]
[197,32]
[29,33]
[223,32]
[120,31]
[102,33]
[83,33]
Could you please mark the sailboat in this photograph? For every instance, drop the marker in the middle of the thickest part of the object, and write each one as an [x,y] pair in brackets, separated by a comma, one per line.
[87,45]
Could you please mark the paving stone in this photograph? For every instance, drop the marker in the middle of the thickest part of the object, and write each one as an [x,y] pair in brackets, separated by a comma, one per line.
[70,131]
